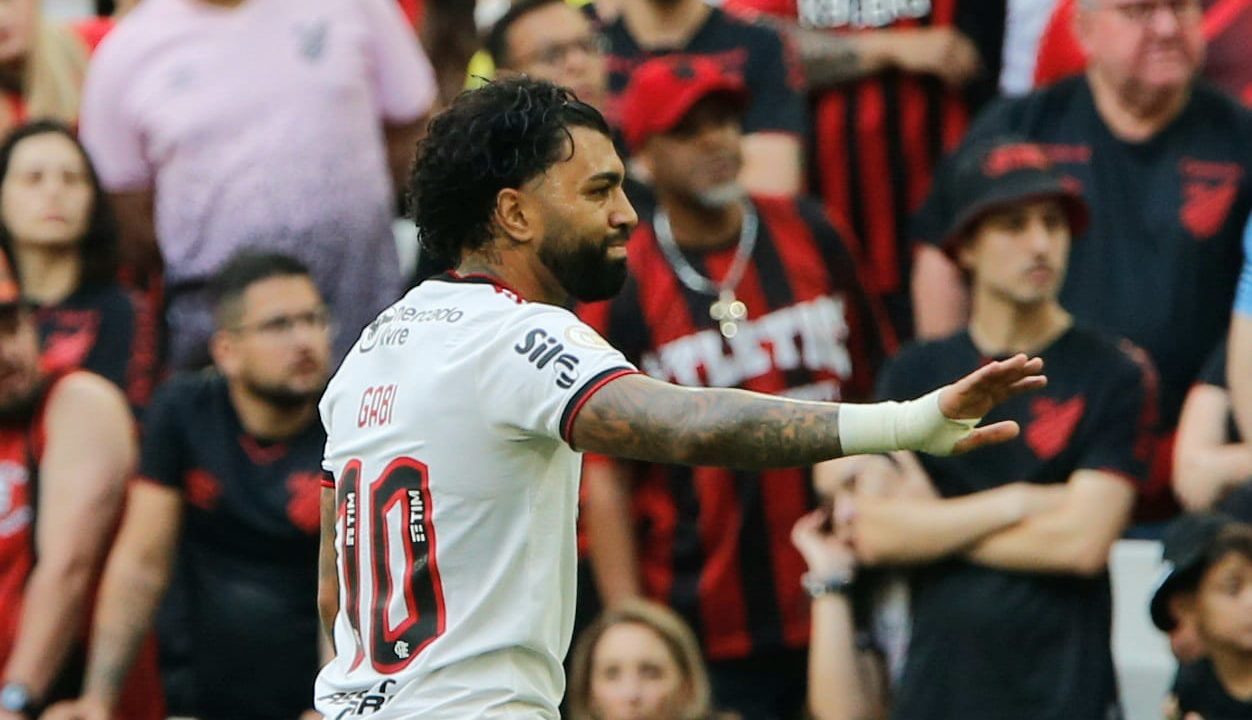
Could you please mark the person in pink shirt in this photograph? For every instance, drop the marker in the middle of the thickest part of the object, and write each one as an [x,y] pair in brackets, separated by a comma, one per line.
[276,124]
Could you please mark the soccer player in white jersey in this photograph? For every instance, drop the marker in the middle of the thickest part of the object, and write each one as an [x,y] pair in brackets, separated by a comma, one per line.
[455,423]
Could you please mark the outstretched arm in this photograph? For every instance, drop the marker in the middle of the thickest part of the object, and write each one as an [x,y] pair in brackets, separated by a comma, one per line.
[641,418]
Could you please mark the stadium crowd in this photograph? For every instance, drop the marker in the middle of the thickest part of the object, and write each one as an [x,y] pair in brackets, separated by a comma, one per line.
[203,207]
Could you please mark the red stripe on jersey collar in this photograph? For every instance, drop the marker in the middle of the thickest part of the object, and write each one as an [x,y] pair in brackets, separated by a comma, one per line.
[453,274]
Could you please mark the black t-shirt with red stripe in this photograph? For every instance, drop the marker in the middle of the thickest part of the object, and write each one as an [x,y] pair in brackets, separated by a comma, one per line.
[1159,262]
[752,51]
[242,623]
[713,543]
[876,141]
[997,644]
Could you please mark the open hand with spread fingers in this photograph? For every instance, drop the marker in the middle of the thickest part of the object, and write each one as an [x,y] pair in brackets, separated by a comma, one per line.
[974,395]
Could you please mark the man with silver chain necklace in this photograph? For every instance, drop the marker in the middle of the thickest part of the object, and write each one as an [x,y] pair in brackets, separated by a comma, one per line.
[724,290]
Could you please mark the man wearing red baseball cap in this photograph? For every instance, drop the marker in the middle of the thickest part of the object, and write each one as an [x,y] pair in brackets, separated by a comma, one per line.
[725,290]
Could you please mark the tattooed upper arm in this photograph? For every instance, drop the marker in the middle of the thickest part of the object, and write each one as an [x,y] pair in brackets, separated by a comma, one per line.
[641,418]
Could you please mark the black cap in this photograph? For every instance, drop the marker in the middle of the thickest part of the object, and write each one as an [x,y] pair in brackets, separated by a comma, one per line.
[1187,543]
[1002,171]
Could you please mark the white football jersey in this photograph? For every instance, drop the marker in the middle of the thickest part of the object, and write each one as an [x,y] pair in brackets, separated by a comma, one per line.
[448,439]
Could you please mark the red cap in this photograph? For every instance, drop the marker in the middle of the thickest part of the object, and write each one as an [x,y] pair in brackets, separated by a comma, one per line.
[663,90]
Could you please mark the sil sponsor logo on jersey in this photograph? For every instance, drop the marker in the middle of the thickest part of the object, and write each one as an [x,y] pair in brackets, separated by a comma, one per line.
[541,349]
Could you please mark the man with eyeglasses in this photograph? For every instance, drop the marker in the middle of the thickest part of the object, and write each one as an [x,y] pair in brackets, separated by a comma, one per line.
[554,41]
[1165,164]
[231,461]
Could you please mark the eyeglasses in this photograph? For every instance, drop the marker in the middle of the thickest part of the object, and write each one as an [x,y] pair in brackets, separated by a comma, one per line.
[1142,13]
[283,325]
[556,53]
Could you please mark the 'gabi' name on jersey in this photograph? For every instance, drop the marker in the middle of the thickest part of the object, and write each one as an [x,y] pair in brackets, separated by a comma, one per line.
[811,334]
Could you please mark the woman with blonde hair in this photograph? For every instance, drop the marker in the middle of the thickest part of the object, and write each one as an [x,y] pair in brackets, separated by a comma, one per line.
[42,64]
[638,661]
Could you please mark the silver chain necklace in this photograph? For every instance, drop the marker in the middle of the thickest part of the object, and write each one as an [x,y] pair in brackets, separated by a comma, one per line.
[727,310]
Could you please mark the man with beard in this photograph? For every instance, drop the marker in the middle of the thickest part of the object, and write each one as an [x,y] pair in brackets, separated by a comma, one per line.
[66,450]
[730,291]
[230,460]
[452,474]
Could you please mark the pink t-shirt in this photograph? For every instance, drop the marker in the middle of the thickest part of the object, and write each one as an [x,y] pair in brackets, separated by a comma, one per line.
[260,125]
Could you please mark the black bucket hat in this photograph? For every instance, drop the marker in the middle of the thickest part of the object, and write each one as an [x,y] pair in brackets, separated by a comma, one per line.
[1002,171]
[1187,543]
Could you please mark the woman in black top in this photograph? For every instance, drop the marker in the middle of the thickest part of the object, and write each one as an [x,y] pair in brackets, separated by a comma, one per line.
[57,227]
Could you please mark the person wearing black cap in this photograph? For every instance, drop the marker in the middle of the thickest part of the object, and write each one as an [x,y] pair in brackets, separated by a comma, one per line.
[1011,605]
[1207,585]
[67,448]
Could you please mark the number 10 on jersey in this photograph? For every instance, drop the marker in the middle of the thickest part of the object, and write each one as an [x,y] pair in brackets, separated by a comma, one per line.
[406,611]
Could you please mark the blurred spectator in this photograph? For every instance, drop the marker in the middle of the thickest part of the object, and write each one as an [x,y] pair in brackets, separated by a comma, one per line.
[554,41]
[896,83]
[1166,167]
[42,65]
[57,226]
[222,124]
[638,661]
[450,38]
[231,459]
[1208,584]
[725,290]
[1024,26]
[1212,463]
[860,618]
[1227,25]
[67,448]
[1011,601]
[774,123]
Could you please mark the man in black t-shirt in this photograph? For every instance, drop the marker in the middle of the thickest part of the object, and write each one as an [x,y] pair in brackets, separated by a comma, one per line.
[1011,599]
[1213,470]
[1165,163]
[231,457]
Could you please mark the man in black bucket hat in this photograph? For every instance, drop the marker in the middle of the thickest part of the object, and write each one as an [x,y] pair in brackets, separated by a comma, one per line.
[1011,599]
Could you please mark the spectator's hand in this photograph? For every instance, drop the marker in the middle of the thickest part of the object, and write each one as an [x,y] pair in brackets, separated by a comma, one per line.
[974,395]
[940,51]
[827,554]
[81,709]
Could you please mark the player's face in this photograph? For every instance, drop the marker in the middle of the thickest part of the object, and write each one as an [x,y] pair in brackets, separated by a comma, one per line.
[1224,603]
[280,349]
[1019,253]
[701,157]
[46,196]
[19,360]
[1144,47]
[557,43]
[586,219]
[634,676]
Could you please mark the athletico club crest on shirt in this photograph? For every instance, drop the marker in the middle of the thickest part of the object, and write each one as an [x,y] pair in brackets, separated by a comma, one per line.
[1209,190]
[1053,425]
[15,510]
[858,13]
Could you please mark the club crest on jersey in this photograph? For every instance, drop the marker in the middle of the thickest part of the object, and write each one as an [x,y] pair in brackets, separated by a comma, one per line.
[15,510]
[542,349]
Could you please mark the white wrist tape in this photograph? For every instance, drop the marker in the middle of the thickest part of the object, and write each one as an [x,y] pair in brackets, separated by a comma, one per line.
[911,425]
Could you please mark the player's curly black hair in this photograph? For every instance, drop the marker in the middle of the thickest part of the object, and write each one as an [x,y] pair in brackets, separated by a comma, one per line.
[498,136]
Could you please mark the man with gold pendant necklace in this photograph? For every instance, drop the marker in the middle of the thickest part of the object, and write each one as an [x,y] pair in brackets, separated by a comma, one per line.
[724,290]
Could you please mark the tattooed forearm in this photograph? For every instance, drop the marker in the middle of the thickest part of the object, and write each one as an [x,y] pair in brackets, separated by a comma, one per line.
[827,58]
[640,418]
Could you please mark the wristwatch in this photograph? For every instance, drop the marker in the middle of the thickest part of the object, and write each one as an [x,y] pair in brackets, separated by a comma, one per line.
[16,698]
[819,587]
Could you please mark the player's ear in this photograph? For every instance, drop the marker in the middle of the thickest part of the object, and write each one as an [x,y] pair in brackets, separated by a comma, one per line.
[222,350]
[516,216]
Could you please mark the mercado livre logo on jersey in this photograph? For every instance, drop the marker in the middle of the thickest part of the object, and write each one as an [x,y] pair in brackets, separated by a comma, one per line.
[542,348]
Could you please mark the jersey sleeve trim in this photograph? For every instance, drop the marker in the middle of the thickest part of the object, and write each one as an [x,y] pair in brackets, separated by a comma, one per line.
[580,398]
[328,479]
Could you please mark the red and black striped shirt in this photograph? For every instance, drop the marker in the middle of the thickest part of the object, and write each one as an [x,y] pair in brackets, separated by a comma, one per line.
[876,141]
[713,542]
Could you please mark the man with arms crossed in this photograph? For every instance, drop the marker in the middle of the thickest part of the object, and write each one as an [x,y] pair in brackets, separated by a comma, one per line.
[455,424]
